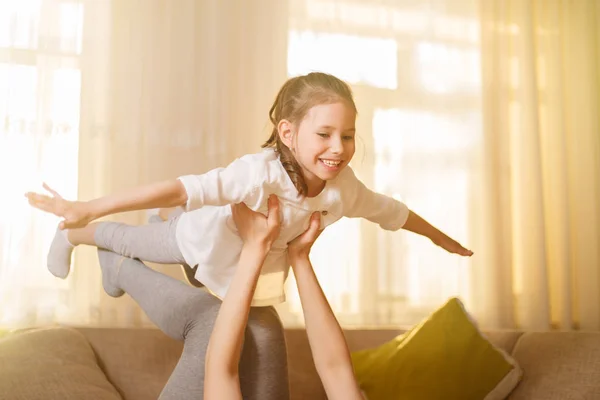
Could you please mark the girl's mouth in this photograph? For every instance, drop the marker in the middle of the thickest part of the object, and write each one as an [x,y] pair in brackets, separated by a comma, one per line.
[331,164]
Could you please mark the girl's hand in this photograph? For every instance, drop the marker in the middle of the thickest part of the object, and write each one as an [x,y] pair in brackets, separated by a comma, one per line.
[300,246]
[452,246]
[75,214]
[255,228]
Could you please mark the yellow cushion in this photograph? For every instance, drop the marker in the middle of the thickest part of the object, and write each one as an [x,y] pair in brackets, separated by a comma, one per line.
[443,357]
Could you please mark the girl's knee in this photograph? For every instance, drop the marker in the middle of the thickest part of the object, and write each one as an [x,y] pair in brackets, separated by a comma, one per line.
[111,236]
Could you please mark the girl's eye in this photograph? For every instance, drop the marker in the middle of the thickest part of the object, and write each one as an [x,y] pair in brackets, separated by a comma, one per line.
[323,135]
[348,138]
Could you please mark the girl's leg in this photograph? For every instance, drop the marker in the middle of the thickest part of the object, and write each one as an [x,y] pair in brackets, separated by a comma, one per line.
[165,214]
[188,314]
[153,242]
[61,248]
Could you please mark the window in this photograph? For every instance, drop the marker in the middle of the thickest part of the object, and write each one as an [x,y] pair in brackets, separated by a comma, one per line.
[40,86]
[415,73]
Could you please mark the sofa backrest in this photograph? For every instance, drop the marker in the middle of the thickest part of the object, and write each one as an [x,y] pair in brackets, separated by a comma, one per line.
[136,361]
[557,365]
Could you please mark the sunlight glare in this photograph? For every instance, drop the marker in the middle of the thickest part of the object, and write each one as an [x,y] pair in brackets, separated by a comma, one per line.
[355,59]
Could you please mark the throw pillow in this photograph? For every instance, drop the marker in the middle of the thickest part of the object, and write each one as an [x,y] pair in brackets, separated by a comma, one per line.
[51,364]
[443,357]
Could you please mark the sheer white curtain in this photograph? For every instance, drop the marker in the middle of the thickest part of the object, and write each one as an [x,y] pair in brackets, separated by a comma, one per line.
[182,87]
[99,95]
[540,240]
[40,83]
[415,70]
[483,117]
[463,110]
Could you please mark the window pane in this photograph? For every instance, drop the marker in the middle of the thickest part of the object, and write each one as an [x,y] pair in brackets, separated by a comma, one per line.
[19,23]
[18,96]
[443,68]
[59,28]
[371,61]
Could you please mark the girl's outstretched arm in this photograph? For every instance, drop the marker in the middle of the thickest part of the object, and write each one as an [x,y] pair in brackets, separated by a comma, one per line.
[221,379]
[327,342]
[418,225]
[77,214]
[391,214]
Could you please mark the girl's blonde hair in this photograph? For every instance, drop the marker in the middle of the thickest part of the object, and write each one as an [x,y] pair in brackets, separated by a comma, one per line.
[295,98]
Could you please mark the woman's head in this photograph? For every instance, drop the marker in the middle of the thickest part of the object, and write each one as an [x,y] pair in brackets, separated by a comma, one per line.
[313,120]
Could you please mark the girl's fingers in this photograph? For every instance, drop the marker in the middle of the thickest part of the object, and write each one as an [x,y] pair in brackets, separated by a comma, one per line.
[35,198]
[41,202]
[52,191]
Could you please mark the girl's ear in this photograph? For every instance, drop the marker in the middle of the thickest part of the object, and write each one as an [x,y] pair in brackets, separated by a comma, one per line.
[286,133]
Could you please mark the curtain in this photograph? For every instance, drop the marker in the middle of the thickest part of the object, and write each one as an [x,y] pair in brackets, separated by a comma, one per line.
[541,79]
[40,83]
[484,118]
[415,71]
[182,88]
[147,90]
[481,115]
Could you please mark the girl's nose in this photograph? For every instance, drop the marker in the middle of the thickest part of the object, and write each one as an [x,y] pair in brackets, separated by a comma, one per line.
[336,146]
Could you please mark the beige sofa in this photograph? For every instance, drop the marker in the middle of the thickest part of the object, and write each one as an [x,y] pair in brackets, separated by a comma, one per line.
[134,364]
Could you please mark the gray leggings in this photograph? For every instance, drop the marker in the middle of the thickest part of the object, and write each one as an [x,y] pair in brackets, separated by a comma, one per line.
[153,242]
[186,313]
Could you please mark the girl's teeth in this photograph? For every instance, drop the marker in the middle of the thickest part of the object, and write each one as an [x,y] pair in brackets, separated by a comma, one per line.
[331,163]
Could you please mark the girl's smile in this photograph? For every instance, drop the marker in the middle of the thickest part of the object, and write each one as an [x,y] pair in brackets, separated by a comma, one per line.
[324,143]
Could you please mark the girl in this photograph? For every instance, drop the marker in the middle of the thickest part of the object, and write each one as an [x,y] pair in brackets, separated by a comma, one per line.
[327,342]
[304,163]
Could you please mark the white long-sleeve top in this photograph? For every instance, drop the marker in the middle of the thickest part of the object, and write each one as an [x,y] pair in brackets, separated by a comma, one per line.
[207,235]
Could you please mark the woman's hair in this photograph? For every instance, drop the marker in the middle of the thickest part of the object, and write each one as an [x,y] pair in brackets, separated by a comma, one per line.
[295,98]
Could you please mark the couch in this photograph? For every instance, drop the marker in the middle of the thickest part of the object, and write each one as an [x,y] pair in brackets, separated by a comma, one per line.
[137,362]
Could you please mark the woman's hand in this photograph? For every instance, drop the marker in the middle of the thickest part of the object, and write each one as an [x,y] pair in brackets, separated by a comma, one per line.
[301,245]
[255,228]
[75,214]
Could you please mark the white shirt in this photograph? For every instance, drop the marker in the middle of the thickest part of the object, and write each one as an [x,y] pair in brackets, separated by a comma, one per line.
[207,235]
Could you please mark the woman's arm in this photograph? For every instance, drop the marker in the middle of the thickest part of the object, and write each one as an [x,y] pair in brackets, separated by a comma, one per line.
[221,379]
[77,214]
[327,342]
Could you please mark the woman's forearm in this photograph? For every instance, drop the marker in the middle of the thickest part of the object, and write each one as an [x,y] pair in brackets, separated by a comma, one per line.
[225,344]
[327,342]
[155,195]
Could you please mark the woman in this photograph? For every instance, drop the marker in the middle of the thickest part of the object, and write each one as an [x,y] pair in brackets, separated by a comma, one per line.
[187,314]
[327,342]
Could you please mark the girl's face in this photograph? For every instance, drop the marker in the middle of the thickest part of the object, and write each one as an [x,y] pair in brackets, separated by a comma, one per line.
[323,142]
